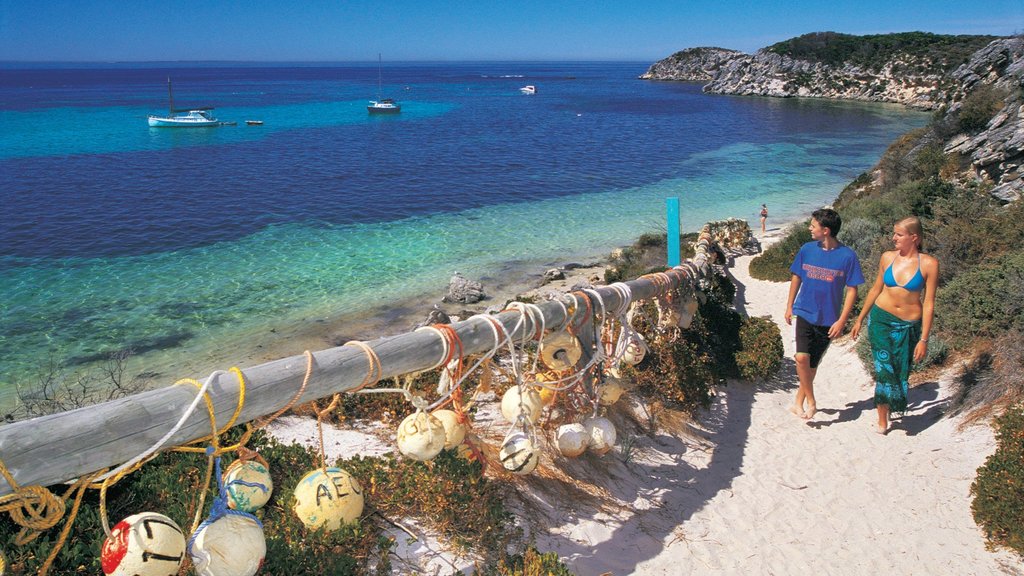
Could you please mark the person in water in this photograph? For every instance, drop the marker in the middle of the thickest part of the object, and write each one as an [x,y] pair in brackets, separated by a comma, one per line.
[822,291]
[900,308]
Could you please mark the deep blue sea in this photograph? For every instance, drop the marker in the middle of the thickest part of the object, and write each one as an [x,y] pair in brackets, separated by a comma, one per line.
[198,247]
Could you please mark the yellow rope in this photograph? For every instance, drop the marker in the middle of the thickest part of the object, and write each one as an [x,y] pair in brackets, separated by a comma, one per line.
[34,508]
[79,487]
[305,380]
[320,427]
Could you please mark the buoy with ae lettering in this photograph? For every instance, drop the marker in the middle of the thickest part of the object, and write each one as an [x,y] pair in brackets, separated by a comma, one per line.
[248,485]
[454,429]
[328,499]
[421,436]
[144,544]
[232,545]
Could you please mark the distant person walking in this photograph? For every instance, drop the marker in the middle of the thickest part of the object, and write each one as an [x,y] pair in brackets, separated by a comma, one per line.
[764,217]
[899,319]
[822,292]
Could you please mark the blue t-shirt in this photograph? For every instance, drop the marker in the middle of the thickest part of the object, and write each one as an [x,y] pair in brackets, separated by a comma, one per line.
[824,277]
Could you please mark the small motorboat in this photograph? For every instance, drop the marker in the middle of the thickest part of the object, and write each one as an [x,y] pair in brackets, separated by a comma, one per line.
[183,117]
[528,89]
[254,122]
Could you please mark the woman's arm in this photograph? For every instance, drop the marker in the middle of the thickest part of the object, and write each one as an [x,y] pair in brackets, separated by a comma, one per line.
[930,270]
[869,300]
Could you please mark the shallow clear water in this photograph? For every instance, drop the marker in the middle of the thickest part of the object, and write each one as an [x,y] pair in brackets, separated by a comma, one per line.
[191,245]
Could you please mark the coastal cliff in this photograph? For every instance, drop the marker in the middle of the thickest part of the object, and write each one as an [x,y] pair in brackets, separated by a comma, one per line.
[973,82]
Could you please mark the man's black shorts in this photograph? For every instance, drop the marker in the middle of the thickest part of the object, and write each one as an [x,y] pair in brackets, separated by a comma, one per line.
[811,340]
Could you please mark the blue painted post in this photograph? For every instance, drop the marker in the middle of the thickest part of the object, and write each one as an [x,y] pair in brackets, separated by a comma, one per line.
[672,205]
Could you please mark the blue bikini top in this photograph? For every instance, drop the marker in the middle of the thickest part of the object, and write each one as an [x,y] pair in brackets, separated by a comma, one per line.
[915,284]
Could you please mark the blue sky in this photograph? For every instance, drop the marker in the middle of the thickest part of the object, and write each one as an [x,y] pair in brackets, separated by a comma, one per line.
[356,30]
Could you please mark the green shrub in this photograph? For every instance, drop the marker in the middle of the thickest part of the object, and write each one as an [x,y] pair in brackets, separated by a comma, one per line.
[773,264]
[761,350]
[979,107]
[998,490]
[984,302]
[530,563]
[647,254]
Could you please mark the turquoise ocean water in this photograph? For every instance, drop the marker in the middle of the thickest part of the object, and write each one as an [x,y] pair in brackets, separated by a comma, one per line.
[205,248]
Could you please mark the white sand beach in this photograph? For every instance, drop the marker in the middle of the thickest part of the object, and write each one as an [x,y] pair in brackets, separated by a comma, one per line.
[750,488]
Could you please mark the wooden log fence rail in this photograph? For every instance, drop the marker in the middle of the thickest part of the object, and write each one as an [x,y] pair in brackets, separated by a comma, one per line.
[61,447]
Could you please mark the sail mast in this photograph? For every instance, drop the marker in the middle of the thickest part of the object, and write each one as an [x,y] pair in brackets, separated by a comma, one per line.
[170,98]
[379,76]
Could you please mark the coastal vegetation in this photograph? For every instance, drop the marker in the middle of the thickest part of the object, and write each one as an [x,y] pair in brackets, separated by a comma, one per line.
[932,53]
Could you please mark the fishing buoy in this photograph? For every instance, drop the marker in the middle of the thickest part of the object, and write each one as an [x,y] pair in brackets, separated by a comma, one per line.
[601,434]
[528,404]
[518,454]
[609,392]
[328,499]
[634,351]
[248,485]
[145,544]
[421,436]
[232,545]
[454,430]
[560,351]
[572,439]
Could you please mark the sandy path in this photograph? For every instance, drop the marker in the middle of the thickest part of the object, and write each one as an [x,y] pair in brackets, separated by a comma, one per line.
[759,491]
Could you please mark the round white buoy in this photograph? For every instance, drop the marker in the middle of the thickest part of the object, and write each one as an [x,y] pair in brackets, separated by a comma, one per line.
[529,404]
[145,544]
[232,545]
[421,436]
[454,430]
[248,485]
[560,351]
[572,439]
[634,351]
[601,433]
[518,454]
[610,392]
[328,499]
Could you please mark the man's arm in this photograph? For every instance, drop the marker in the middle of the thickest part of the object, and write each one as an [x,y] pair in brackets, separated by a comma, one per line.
[849,298]
[794,287]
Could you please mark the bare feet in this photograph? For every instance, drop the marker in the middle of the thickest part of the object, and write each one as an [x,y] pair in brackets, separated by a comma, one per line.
[882,429]
[810,412]
[797,410]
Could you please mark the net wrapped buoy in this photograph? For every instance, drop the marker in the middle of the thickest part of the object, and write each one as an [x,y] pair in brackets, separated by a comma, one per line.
[328,499]
[421,436]
[248,485]
[454,429]
[601,434]
[144,544]
[634,351]
[571,439]
[560,351]
[528,403]
[610,392]
[232,545]
[518,453]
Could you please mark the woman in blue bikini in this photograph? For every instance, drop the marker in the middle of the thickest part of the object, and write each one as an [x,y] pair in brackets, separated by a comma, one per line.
[902,306]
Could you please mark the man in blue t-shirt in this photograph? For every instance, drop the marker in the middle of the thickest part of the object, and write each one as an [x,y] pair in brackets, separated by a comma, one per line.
[822,292]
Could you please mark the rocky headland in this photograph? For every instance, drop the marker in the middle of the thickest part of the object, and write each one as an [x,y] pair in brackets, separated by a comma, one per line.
[959,77]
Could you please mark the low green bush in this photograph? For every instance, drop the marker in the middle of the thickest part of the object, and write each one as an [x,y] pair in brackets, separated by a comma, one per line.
[773,264]
[761,350]
[998,491]
[979,107]
[984,302]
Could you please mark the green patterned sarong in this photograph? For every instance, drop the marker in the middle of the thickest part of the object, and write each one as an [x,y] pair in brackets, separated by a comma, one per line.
[892,349]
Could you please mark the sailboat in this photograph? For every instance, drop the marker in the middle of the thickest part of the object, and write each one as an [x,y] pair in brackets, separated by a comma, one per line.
[382,105]
[192,117]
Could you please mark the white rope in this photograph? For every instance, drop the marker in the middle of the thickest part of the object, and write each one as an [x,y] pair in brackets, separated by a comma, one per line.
[181,422]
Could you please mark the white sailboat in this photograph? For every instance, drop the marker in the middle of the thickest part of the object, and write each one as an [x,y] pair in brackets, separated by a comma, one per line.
[183,117]
[382,105]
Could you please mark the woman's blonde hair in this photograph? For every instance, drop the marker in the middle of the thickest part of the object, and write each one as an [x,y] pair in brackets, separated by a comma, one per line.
[912,224]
